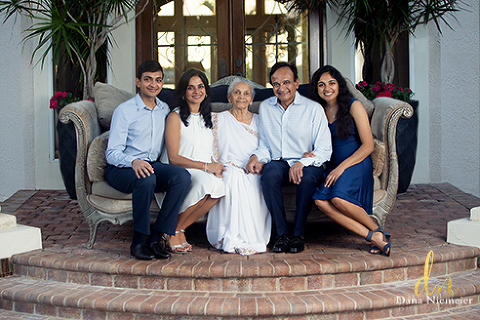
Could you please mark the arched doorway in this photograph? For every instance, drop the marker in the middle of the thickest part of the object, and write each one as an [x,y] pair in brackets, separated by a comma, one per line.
[228,37]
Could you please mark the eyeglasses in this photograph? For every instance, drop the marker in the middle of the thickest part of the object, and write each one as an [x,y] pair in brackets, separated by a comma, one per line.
[277,85]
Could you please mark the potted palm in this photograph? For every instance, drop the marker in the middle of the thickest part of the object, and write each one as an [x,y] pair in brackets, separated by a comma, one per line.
[77,29]
[382,22]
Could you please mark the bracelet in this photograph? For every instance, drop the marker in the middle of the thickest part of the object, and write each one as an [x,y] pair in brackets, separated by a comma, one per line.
[205,167]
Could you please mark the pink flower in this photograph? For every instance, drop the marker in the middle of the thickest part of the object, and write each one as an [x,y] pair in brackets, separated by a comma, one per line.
[64,94]
[384,94]
[382,89]
[53,103]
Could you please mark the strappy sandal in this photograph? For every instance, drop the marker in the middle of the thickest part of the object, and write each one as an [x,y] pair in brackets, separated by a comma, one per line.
[187,246]
[373,248]
[386,237]
[179,249]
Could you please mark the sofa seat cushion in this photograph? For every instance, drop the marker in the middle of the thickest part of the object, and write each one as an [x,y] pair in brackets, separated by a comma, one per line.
[107,98]
[103,189]
[115,206]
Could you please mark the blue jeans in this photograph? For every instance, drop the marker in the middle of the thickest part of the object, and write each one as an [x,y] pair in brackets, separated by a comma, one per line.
[173,180]
[274,177]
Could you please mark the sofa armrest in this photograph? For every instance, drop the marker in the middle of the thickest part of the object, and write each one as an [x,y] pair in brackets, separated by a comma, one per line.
[385,116]
[384,121]
[83,114]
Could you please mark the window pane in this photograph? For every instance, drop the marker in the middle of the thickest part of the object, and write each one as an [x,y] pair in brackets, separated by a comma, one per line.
[166,57]
[250,7]
[273,36]
[199,54]
[187,40]
[198,8]
[167,10]
[274,7]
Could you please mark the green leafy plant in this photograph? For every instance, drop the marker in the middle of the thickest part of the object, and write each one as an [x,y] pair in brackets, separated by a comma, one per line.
[306,5]
[383,22]
[382,89]
[79,28]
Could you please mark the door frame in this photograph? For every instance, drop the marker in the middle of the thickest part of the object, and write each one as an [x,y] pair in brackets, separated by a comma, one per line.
[231,54]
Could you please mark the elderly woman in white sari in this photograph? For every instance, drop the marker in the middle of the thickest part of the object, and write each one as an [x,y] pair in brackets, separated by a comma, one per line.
[240,221]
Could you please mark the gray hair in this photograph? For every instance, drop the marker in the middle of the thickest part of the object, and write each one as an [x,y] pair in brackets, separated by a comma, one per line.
[238,80]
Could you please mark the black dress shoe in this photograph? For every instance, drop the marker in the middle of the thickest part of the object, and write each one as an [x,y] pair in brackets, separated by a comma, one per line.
[281,244]
[141,252]
[158,251]
[297,244]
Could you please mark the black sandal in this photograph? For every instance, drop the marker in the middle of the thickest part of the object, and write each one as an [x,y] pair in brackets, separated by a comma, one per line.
[386,237]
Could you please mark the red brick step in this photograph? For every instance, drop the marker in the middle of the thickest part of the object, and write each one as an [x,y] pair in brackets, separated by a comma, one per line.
[395,299]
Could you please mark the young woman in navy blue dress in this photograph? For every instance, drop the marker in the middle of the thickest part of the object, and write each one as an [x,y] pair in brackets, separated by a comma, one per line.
[346,195]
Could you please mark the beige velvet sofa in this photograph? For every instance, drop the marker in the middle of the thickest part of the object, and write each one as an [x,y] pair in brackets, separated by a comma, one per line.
[99,202]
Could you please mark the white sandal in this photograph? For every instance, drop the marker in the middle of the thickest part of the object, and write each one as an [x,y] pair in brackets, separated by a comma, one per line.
[174,249]
[187,246]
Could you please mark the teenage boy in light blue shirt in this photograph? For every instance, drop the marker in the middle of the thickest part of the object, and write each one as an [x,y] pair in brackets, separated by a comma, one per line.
[135,143]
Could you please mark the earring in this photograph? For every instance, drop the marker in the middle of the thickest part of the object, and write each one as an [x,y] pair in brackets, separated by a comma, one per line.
[206,95]
[183,98]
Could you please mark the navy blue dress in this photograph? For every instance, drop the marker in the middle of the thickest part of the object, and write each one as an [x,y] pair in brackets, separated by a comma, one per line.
[355,185]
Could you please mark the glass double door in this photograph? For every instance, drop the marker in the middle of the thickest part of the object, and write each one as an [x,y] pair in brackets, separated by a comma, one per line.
[228,37]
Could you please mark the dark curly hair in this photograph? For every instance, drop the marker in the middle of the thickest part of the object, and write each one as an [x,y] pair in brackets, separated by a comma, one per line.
[148,66]
[179,98]
[343,116]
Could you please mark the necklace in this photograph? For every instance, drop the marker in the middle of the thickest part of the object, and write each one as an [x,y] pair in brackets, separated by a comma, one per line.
[245,118]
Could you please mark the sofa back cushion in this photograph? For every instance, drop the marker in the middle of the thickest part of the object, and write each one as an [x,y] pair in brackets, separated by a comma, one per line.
[96,161]
[367,104]
[107,98]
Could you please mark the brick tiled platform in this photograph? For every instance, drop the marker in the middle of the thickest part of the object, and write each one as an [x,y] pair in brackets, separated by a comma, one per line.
[334,278]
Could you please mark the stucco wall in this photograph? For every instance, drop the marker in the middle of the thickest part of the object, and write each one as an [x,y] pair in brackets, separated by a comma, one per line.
[445,79]
[121,72]
[16,114]
[25,90]
[340,49]
[455,123]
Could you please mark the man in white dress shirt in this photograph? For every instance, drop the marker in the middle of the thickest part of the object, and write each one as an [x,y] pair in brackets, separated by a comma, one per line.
[290,125]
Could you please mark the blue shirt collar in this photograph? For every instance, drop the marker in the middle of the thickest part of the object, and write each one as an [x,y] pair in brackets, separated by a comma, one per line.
[142,105]
[296,100]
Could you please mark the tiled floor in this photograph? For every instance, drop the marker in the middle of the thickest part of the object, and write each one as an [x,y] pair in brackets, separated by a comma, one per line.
[419,220]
